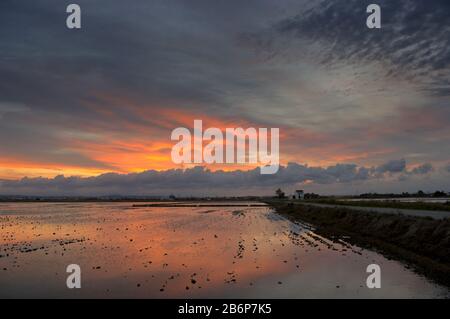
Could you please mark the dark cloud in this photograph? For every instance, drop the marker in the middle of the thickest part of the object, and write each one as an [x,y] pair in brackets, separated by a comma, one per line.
[199,180]
[413,41]
[422,169]
[394,166]
[170,53]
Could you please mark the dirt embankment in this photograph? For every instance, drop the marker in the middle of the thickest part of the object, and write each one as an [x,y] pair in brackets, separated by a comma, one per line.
[424,243]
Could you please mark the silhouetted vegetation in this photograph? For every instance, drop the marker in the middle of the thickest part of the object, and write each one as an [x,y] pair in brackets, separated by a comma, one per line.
[312,196]
[280,193]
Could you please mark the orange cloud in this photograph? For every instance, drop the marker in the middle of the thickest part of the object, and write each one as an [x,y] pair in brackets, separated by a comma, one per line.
[127,136]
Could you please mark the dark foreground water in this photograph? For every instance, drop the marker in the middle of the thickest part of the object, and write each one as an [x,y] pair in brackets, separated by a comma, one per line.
[229,252]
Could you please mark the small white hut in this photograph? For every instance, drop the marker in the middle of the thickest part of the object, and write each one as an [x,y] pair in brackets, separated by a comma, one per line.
[299,194]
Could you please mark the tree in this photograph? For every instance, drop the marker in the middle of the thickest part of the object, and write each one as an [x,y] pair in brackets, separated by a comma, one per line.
[439,194]
[280,193]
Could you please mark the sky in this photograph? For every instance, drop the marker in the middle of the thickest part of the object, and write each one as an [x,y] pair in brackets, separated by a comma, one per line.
[91,111]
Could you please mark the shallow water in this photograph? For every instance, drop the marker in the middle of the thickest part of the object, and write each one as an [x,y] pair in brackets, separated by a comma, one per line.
[182,252]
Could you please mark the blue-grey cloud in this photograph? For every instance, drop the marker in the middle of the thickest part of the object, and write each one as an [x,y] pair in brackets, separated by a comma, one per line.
[422,169]
[413,41]
[393,166]
[199,180]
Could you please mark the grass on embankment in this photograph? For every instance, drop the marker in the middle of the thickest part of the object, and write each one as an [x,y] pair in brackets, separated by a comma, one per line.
[387,204]
[421,242]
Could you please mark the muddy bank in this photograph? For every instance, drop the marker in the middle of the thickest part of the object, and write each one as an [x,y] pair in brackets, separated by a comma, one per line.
[423,243]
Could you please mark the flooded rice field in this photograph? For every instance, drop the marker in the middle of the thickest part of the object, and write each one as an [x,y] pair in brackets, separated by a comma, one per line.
[185,252]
